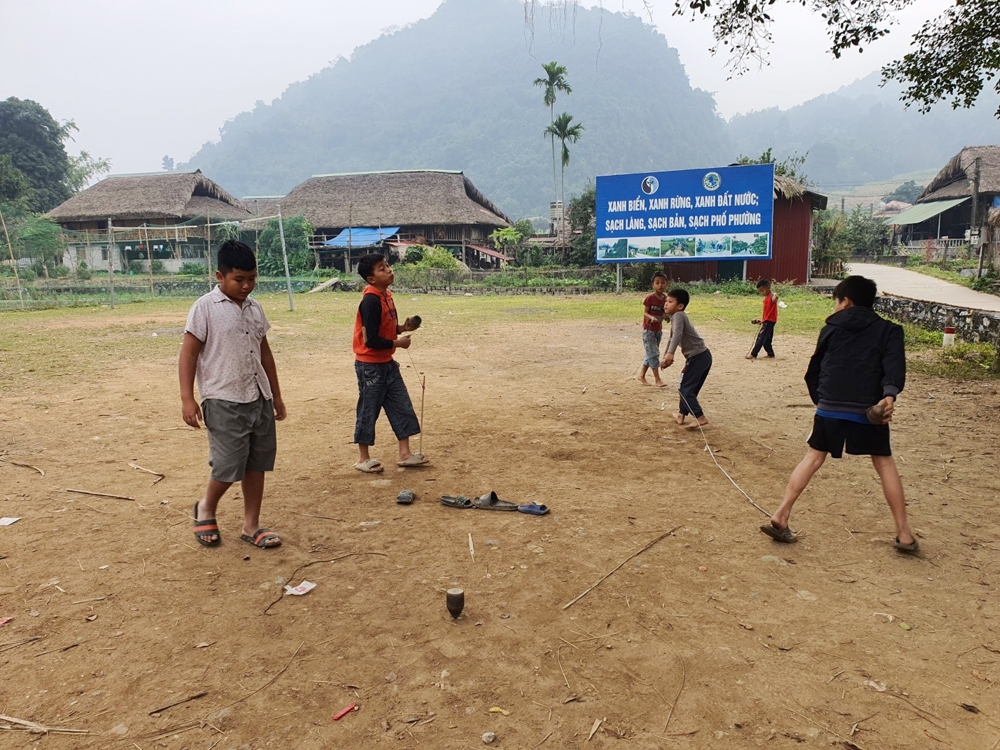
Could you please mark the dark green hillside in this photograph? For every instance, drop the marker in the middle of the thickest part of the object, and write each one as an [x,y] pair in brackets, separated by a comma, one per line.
[455,92]
[861,133]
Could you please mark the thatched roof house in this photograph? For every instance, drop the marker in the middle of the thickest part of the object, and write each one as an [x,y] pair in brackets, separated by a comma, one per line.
[943,211]
[434,205]
[162,198]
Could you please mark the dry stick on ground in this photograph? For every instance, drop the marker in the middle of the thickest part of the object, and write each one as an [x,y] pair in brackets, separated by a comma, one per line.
[18,463]
[608,574]
[100,494]
[250,695]
[30,726]
[202,694]
[559,662]
[24,641]
[825,729]
[325,518]
[160,476]
[317,562]
[679,691]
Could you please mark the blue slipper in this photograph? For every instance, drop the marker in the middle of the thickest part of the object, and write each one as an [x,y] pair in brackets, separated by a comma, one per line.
[534,509]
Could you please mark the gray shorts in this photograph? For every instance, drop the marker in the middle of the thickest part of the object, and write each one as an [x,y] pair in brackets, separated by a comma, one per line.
[241,437]
[651,341]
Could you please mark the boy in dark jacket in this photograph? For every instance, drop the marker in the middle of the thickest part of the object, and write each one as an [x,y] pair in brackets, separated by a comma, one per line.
[854,376]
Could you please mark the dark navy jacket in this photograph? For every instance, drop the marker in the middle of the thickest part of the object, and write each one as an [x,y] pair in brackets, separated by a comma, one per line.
[859,360]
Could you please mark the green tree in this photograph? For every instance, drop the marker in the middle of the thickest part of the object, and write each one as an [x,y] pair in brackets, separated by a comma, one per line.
[34,143]
[829,242]
[300,257]
[582,212]
[39,238]
[908,192]
[83,168]
[14,185]
[437,257]
[567,132]
[864,234]
[790,167]
[554,81]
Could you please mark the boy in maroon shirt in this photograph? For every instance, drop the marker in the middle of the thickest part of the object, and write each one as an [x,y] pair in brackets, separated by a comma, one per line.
[652,329]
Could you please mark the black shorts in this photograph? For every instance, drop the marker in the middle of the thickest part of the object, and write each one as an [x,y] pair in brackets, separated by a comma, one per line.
[831,435]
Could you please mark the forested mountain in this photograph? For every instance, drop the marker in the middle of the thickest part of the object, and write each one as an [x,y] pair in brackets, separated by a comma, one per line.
[455,92]
[861,133]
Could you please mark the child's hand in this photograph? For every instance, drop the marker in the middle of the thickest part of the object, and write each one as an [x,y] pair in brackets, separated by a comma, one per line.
[755,322]
[668,359]
[191,413]
[403,342]
[279,409]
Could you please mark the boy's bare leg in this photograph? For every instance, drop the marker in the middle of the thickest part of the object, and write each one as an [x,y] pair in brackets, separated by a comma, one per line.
[208,507]
[892,488]
[799,480]
[679,418]
[656,377]
[253,496]
[404,449]
[698,422]
[363,454]
[642,374]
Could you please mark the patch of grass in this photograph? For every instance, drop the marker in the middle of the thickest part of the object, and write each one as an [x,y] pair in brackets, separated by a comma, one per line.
[959,362]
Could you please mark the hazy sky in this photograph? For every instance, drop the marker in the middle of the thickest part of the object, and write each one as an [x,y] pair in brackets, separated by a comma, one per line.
[145,79]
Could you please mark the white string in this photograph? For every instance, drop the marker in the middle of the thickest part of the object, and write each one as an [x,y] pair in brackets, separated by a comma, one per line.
[712,454]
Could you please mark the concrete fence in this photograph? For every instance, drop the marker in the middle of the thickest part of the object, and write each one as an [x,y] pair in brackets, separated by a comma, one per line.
[975,326]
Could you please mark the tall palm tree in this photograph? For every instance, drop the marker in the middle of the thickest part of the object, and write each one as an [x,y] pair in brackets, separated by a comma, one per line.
[554,80]
[567,132]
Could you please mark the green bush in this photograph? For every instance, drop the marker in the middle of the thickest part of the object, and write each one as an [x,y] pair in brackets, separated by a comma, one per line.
[60,271]
[193,269]
[83,271]
[27,274]
[135,267]
[158,267]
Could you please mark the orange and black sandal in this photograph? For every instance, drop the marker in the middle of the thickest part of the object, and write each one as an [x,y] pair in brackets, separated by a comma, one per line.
[205,530]
[263,538]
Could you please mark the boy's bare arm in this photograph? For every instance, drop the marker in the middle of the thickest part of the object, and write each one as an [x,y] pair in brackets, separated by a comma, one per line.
[271,370]
[187,365]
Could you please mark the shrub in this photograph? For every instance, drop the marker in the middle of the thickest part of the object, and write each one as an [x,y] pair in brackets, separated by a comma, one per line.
[27,274]
[193,269]
[60,271]
[83,271]
[158,267]
[135,267]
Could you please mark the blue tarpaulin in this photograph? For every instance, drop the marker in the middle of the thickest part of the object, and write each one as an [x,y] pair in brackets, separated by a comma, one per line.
[362,237]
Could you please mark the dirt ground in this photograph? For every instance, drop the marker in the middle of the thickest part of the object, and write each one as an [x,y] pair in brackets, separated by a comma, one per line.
[714,636]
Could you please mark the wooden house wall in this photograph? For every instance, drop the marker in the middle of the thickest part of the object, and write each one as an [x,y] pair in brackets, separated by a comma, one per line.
[789,250]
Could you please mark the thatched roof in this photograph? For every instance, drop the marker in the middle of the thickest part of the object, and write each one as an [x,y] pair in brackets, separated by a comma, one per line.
[994,217]
[956,179]
[262,205]
[786,187]
[173,196]
[403,198]
[892,208]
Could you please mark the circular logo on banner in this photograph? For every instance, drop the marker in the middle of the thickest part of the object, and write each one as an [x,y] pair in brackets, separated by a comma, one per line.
[711,181]
[650,185]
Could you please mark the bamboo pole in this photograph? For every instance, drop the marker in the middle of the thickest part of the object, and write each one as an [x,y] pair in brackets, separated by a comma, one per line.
[208,248]
[111,265]
[284,255]
[149,257]
[13,260]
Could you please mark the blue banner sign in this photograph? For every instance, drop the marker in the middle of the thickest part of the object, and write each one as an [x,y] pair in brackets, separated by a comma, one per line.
[722,213]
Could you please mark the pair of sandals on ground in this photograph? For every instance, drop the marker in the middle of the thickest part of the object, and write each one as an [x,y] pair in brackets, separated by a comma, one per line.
[785,535]
[374,466]
[490,501]
[207,534]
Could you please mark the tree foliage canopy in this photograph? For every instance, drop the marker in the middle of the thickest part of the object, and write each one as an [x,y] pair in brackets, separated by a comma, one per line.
[953,56]
[300,258]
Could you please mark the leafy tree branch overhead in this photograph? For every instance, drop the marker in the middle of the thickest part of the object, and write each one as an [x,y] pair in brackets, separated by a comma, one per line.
[952,58]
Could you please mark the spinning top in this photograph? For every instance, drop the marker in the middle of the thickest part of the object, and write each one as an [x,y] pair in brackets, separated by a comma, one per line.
[415,321]
[456,601]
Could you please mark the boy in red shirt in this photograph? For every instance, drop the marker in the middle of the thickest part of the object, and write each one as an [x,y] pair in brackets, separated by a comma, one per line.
[652,329]
[380,385]
[766,322]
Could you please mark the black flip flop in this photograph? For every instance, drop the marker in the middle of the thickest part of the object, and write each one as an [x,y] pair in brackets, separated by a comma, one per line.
[261,537]
[461,501]
[204,529]
[778,534]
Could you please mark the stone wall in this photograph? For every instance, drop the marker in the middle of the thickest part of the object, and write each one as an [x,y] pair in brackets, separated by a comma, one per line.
[970,325]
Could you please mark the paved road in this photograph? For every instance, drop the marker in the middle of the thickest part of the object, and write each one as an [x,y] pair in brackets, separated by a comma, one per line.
[903,283]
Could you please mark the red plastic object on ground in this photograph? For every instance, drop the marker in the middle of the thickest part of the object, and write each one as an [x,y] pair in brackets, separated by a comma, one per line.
[342,713]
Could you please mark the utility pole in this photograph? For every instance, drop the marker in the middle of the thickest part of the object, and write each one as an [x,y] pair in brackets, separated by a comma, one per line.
[974,231]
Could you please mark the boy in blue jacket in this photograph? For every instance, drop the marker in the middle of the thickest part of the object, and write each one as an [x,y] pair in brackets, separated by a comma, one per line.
[854,377]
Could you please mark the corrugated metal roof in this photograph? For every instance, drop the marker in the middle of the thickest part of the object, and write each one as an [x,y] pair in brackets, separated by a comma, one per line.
[922,212]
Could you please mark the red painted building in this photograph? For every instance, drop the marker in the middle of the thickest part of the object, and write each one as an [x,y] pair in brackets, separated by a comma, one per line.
[790,244]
